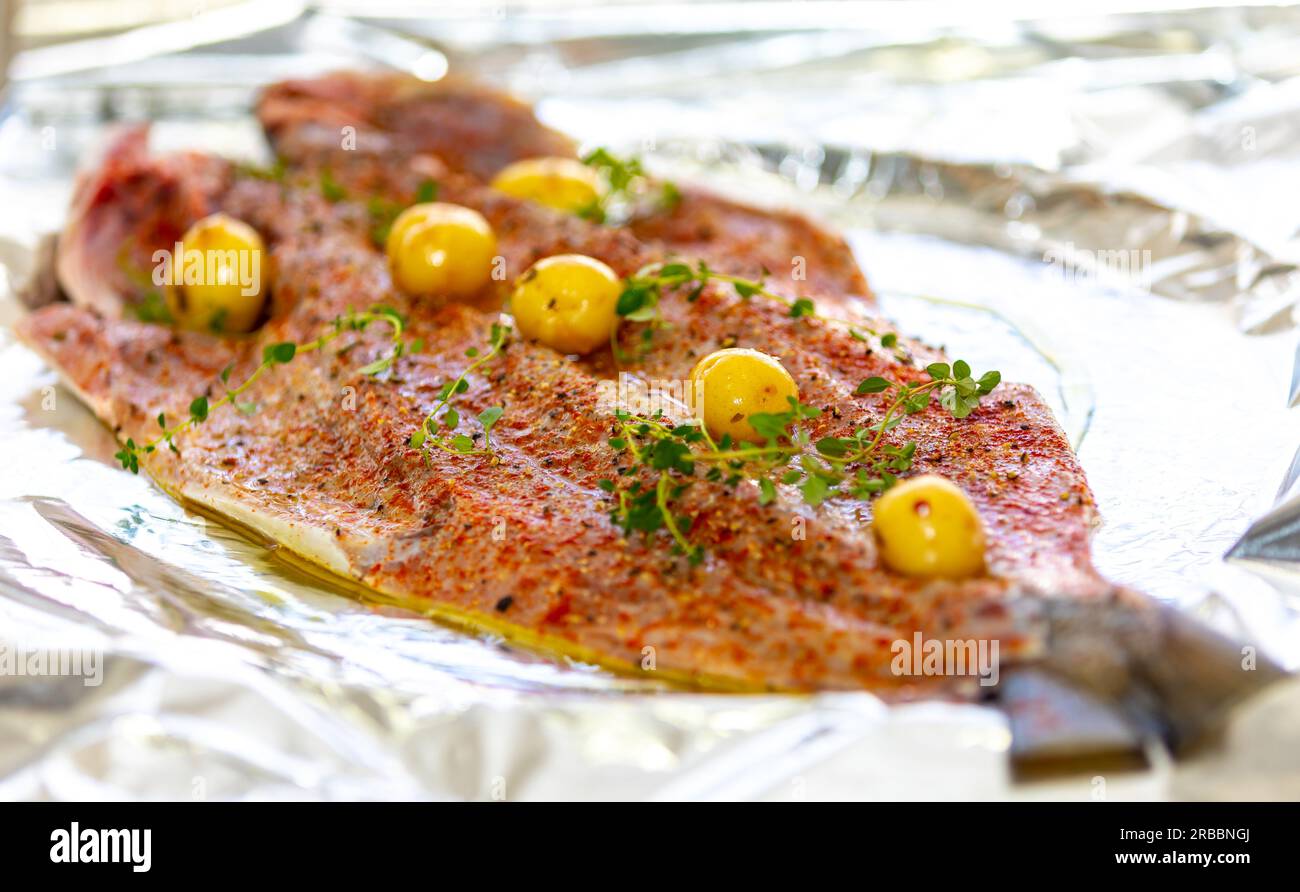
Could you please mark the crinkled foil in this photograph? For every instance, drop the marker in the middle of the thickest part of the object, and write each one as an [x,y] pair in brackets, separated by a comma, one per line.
[213,668]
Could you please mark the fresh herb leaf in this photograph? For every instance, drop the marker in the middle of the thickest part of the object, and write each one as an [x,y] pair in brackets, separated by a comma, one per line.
[279,354]
[427,192]
[803,307]
[873,385]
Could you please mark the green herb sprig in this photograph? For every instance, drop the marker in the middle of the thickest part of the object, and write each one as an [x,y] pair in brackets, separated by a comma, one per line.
[857,467]
[625,182]
[643,292]
[438,431]
[668,453]
[272,355]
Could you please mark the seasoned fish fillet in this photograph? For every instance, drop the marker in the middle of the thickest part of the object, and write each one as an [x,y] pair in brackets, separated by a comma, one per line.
[341,487]
[524,544]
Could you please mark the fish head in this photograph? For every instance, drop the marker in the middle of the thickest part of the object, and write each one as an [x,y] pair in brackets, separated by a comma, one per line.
[126,209]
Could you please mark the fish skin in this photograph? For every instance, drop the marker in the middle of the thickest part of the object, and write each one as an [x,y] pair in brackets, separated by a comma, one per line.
[473,132]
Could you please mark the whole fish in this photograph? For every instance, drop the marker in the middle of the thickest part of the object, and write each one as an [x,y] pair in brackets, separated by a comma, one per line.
[789,596]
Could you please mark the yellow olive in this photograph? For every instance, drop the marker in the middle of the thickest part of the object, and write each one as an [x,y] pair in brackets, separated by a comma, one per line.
[736,383]
[567,302]
[562,183]
[927,526]
[218,280]
[441,249]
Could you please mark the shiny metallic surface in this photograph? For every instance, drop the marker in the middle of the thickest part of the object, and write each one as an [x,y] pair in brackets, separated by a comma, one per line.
[992,181]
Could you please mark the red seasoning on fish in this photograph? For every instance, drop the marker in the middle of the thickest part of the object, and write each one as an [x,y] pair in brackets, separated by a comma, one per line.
[514,515]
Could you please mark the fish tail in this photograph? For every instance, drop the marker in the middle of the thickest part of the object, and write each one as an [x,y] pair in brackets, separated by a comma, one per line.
[1115,674]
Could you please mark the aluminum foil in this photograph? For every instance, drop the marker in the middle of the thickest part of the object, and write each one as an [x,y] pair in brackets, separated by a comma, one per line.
[210,667]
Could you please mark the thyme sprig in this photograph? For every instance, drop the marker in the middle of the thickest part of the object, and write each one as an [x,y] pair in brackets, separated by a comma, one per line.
[272,355]
[643,292]
[664,455]
[438,430]
[668,453]
[625,184]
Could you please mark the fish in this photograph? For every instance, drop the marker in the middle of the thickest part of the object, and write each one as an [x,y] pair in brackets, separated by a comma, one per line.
[788,596]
